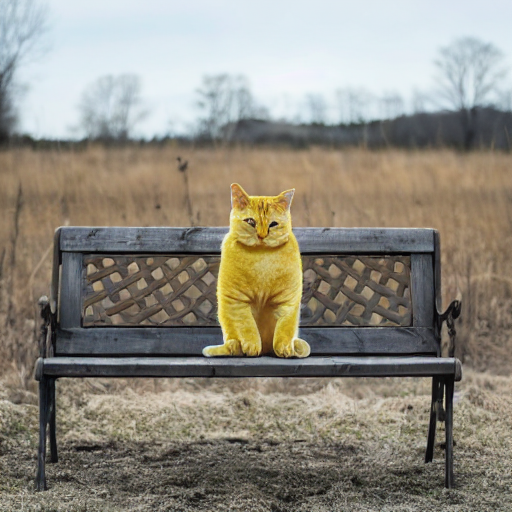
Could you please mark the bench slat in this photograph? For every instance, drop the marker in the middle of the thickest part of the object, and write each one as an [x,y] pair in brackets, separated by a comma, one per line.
[422,289]
[71,290]
[208,240]
[251,367]
[191,340]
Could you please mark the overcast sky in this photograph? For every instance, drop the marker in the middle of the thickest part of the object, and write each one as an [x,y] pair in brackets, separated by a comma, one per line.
[287,49]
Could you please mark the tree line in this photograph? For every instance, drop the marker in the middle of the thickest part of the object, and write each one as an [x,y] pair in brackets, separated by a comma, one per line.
[469,105]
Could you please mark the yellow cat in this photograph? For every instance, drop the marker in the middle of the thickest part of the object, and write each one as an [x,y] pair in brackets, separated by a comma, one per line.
[260,279]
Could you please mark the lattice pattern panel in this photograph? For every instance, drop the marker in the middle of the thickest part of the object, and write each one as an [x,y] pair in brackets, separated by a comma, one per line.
[357,291]
[154,290]
[131,291]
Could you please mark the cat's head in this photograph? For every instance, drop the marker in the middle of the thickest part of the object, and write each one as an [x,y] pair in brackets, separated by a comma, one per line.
[260,220]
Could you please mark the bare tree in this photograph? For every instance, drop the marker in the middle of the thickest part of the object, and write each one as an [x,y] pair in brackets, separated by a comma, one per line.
[224,100]
[391,105]
[419,102]
[505,100]
[22,26]
[317,107]
[354,105]
[469,74]
[111,107]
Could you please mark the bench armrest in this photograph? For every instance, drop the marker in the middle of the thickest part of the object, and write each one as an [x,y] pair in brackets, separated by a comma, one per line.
[451,313]
[48,327]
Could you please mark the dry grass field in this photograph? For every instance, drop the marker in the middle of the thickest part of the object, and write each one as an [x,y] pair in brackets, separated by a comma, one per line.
[468,197]
[258,445]
[363,438]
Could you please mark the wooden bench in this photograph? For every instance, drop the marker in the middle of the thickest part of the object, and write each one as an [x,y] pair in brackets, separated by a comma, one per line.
[140,302]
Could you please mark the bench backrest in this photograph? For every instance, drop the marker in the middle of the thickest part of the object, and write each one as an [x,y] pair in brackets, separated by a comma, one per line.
[151,291]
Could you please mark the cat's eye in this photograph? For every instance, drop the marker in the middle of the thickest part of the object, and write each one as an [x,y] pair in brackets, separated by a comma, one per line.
[273,224]
[250,221]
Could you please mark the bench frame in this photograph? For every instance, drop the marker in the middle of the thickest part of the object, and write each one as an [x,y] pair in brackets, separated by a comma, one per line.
[69,350]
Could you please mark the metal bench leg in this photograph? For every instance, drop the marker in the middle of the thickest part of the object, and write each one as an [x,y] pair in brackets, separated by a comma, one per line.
[439,408]
[450,384]
[53,438]
[429,454]
[43,422]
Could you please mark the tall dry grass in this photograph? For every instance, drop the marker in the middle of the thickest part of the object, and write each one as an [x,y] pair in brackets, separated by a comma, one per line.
[468,197]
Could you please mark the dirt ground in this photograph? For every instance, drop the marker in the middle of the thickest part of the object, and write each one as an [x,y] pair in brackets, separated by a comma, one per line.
[257,445]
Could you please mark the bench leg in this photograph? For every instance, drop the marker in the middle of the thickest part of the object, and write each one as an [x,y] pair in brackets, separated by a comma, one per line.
[448,480]
[43,422]
[53,438]
[440,409]
[436,390]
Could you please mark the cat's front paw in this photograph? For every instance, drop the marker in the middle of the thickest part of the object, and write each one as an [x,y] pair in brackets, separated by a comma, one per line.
[230,348]
[296,348]
[252,349]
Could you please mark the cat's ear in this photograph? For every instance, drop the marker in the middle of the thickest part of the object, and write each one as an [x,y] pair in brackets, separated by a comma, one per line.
[239,197]
[284,199]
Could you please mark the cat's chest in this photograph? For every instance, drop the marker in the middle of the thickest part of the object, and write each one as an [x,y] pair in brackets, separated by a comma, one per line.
[261,270]
[267,270]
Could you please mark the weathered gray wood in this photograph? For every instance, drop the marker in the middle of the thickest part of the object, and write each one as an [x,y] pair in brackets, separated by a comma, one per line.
[370,340]
[70,291]
[249,367]
[208,240]
[189,341]
[54,288]
[437,274]
[422,290]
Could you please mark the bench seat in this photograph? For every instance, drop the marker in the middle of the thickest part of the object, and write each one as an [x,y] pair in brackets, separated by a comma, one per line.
[332,366]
